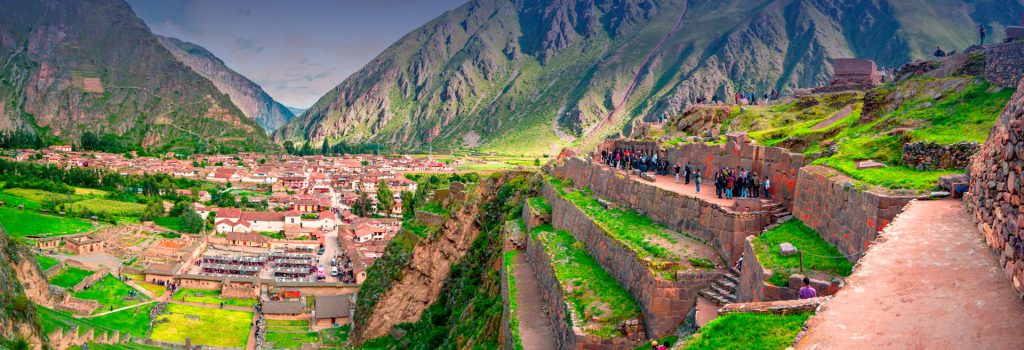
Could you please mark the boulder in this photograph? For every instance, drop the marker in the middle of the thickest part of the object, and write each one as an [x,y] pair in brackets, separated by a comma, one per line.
[649,177]
[869,164]
[787,249]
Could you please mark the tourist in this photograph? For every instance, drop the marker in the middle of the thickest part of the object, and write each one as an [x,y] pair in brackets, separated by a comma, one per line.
[767,188]
[718,183]
[807,292]
[981,33]
[696,179]
[730,185]
[755,185]
[739,264]
[834,287]
[677,172]
[686,172]
[939,52]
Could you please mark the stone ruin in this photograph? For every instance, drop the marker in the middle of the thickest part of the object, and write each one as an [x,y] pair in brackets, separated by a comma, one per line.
[933,156]
[854,73]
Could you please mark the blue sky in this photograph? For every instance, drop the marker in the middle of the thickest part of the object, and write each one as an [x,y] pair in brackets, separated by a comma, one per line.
[295,50]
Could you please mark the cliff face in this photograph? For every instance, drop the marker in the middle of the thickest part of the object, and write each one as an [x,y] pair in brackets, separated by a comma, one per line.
[18,320]
[529,76]
[244,93]
[92,65]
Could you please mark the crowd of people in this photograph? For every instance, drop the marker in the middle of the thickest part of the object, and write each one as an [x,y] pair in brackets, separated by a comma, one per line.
[729,183]
[631,159]
[740,183]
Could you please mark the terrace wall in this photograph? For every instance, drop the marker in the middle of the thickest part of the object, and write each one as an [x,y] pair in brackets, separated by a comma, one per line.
[720,227]
[753,277]
[846,217]
[664,303]
[505,337]
[567,336]
[778,164]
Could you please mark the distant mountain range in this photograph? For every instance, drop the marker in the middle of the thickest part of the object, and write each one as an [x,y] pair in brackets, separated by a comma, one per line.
[296,111]
[247,95]
[527,77]
[91,66]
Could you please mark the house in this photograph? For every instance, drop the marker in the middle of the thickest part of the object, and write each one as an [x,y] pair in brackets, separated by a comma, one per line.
[247,239]
[283,308]
[333,310]
[84,244]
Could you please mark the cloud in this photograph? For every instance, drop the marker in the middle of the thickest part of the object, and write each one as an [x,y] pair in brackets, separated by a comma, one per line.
[296,50]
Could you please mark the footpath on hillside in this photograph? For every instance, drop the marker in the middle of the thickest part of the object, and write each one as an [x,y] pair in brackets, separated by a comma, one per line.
[535,329]
[932,284]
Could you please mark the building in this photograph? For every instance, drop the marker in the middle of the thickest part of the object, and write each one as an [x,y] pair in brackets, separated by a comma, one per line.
[333,310]
[84,244]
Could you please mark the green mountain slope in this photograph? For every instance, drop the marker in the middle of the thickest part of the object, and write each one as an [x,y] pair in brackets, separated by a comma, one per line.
[527,77]
[69,67]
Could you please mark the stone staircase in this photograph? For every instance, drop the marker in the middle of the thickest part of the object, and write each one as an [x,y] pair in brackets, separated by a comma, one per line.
[723,290]
[778,211]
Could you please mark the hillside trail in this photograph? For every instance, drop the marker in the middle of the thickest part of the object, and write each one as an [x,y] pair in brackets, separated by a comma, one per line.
[640,73]
[535,329]
[115,310]
[931,283]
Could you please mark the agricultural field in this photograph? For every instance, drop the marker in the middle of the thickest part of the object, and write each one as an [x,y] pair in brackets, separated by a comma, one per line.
[46,262]
[204,326]
[133,321]
[211,297]
[111,293]
[335,337]
[21,223]
[37,196]
[112,207]
[290,334]
[170,223]
[70,277]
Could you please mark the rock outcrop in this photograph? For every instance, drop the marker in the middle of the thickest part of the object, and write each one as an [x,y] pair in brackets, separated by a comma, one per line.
[21,284]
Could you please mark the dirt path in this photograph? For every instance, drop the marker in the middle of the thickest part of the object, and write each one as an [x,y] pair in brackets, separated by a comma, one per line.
[534,325]
[115,310]
[833,119]
[609,119]
[933,284]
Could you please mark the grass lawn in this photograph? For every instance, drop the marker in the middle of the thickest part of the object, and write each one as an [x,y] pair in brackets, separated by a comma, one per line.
[46,262]
[171,223]
[112,207]
[13,201]
[21,223]
[748,331]
[819,255]
[335,336]
[290,334]
[119,346]
[211,297]
[70,277]
[205,326]
[540,205]
[600,302]
[37,196]
[134,321]
[81,191]
[111,293]
[152,288]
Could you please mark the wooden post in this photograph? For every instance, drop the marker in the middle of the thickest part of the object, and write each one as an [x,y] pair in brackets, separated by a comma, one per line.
[800,254]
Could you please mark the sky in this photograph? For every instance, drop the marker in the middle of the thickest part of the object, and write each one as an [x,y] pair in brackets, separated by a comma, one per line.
[296,50]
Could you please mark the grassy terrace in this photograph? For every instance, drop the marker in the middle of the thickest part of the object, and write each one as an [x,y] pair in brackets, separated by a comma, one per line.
[290,334]
[205,326]
[818,255]
[21,223]
[211,297]
[540,205]
[599,303]
[46,262]
[111,293]
[134,321]
[513,319]
[70,277]
[639,233]
[748,331]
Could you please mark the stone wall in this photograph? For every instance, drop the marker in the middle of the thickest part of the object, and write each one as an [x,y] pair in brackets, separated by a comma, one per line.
[753,276]
[566,335]
[996,189]
[843,215]
[1004,63]
[932,156]
[722,228]
[778,164]
[89,280]
[664,303]
[505,337]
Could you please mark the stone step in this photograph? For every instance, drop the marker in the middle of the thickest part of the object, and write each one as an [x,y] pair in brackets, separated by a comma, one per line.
[714,297]
[780,215]
[720,291]
[733,272]
[726,284]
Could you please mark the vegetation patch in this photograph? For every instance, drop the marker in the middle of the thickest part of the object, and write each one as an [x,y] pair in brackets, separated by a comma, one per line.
[170,223]
[205,326]
[133,321]
[21,223]
[540,205]
[107,206]
[46,262]
[335,337]
[290,334]
[599,303]
[211,297]
[111,293]
[818,254]
[70,277]
[748,331]
[509,261]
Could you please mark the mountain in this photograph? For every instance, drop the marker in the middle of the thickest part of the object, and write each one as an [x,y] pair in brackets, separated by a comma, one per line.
[296,111]
[91,67]
[247,95]
[526,77]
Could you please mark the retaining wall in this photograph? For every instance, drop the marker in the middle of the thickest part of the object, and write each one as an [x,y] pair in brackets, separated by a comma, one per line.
[1004,63]
[778,164]
[664,303]
[506,337]
[566,335]
[847,217]
[753,277]
[722,228]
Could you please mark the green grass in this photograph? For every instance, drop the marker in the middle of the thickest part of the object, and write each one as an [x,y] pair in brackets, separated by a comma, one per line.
[111,293]
[629,227]
[46,262]
[818,255]
[152,288]
[667,341]
[13,201]
[290,334]
[513,308]
[21,223]
[748,331]
[37,196]
[433,207]
[133,321]
[599,301]
[119,346]
[70,277]
[335,336]
[540,205]
[112,207]
[80,191]
[211,297]
[206,326]
[170,223]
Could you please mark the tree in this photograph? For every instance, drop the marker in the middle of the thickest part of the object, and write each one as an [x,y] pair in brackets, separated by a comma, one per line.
[385,199]
[289,146]
[306,149]
[408,203]
[325,148]
[89,141]
[191,222]
[153,210]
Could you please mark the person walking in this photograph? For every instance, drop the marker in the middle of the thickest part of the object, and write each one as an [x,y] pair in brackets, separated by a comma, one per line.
[696,179]
[981,33]
[767,188]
